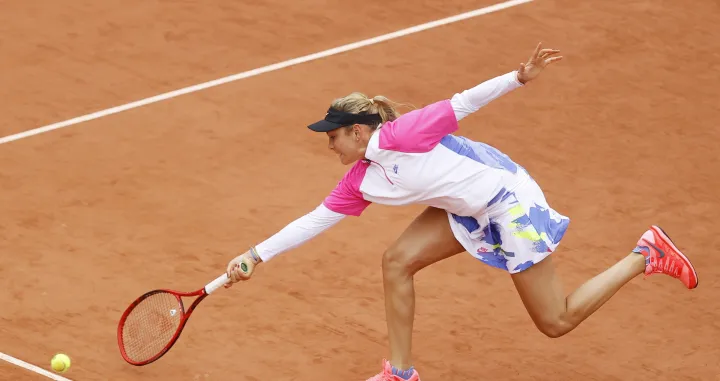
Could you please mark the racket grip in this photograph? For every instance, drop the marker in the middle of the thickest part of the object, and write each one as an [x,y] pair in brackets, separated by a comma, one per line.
[217,283]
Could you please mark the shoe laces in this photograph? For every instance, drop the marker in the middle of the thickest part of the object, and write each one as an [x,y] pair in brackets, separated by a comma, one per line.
[669,265]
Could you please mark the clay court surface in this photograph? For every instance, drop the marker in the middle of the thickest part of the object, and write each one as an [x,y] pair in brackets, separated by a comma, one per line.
[621,134]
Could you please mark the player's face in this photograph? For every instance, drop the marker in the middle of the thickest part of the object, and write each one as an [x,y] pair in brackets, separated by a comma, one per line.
[347,144]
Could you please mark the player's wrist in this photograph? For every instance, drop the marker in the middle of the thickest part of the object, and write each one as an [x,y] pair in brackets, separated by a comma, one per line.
[254,256]
[522,79]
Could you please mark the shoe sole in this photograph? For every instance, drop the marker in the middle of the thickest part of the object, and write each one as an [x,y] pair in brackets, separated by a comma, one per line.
[669,241]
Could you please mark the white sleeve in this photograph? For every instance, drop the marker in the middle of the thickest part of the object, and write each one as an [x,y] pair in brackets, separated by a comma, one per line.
[471,100]
[298,232]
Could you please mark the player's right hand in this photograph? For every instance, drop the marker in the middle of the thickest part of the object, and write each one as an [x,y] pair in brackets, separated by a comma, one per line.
[240,268]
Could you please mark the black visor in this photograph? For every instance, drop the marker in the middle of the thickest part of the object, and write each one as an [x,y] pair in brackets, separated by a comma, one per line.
[335,119]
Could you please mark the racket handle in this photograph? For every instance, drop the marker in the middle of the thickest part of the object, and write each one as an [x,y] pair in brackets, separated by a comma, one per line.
[217,283]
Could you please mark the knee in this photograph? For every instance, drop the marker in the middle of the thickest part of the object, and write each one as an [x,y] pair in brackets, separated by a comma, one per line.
[397,262]
[553,327]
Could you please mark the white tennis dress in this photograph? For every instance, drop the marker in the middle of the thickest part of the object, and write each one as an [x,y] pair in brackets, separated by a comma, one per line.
[495,209]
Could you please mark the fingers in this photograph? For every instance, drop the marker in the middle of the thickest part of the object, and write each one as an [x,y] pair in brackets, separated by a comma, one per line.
[553,59]
[232,273]
[547,53]
[534,56]
[238,270]
[237,273]
[229,272]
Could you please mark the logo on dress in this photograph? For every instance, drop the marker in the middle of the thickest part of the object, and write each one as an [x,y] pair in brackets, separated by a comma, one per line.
[395,168]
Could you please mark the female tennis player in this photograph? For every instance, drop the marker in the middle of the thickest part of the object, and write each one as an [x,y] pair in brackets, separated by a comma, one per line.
[478,199]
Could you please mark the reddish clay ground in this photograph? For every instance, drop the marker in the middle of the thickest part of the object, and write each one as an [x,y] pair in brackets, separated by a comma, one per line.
[621,135]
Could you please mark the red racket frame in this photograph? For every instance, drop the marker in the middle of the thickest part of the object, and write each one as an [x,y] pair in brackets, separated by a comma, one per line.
[201,294]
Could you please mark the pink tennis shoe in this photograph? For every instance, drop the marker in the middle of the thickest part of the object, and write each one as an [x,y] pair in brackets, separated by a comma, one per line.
[387,374]
[663,257]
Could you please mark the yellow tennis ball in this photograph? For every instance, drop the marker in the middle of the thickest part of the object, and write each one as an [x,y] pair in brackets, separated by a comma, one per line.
[60,362]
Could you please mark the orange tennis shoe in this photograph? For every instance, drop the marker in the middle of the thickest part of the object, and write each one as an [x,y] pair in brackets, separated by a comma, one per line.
[387,374]
[663,257]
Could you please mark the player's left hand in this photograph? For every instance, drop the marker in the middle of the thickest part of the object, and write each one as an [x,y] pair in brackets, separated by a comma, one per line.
[538,61]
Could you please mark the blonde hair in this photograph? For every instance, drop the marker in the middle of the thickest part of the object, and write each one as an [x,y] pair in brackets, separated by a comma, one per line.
[356,103]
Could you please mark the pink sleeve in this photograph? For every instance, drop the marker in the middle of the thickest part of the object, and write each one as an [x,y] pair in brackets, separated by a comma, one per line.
[419,130]
[346,198]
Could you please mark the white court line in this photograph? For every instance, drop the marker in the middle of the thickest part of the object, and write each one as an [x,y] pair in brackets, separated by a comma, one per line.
[32,368]
[265,69]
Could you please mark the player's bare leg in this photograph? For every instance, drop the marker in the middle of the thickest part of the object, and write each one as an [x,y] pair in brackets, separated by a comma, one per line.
[427,240]
[555,314]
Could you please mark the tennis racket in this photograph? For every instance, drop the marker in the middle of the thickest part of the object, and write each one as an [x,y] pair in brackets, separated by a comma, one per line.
[152,323]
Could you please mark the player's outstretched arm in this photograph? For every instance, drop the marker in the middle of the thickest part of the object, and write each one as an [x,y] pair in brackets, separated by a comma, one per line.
[471,100]
[291,236]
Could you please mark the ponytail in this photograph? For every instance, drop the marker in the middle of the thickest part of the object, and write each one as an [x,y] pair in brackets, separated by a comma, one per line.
[357,103]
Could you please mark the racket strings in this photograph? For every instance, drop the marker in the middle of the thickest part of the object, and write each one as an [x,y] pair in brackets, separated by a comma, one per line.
[150,326]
